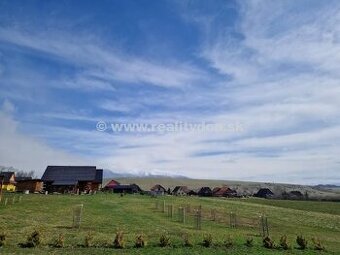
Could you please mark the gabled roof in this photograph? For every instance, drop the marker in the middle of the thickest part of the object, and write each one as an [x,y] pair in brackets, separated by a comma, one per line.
[263,192]
[6,176]
[223,191]
[157,187]
[111,184]
[181,188]
[70,175]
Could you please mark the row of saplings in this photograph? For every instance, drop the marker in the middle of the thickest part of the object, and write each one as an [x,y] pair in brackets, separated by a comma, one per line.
[34,240]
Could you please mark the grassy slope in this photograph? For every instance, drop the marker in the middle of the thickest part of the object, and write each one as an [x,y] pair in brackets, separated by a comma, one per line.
[105,213]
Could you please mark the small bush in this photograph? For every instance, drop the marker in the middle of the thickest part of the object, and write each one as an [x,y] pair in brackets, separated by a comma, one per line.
[249,242]
[88,241]
[119,242]
[207,240]
[164,240]
[33,240]
[268,243]
[59,242]
[186,240]
[284,243]
[317,244]
[140,241]
[2,239]
[228,242]
[301,242]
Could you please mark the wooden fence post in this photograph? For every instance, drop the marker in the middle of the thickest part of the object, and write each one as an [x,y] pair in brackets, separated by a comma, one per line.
[198,219]
[233,222]
[264,229]
[77,214]
[213,214]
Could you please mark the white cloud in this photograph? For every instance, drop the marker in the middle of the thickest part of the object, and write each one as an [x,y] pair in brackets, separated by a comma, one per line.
[28,153]
[104,62]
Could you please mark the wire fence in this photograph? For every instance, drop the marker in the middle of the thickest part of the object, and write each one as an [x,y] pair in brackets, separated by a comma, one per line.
[196,216]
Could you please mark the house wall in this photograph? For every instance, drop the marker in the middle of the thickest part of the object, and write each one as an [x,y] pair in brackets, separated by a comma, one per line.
[8,187]
[32,186]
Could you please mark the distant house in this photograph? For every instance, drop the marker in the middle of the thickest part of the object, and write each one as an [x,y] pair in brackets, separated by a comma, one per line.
[158,189]
[7,181]
[295,194]
[27,183]
[205,192]
[224,191]
[72,179]
[126,188]
[192,192]
[264,193]
[180,191]
[111,184]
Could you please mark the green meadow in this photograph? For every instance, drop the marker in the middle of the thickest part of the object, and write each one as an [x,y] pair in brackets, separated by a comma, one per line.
[105,214]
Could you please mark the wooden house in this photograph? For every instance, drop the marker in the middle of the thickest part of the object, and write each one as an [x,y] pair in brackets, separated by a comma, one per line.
[224,191]
[180,191]
[205,192]
[126,188]
[32,185]
[158,189]
[264,193]
[111,184]
[72,179]
[7,181]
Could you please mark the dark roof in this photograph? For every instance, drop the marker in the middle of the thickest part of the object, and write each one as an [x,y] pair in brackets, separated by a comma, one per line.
[70,175]
[205,191]
[29,180]
[264,192]
[18,179]
[296,193]
[6,176]
[181,188]
[132,187]
[158,187]
[99,175]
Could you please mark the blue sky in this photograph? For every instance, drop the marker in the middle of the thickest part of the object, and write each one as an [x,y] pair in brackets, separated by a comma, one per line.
[271,66]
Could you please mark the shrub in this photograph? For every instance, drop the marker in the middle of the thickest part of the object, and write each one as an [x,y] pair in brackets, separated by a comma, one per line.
[118,242]
[140,241]
[33,240]
[207,240]
[317,244]
[284,243]
[59,242]
[249,242]
[301,242]
[268,243]
[88,241]
[164,240]
[228,242]
[2,239]
[186,240]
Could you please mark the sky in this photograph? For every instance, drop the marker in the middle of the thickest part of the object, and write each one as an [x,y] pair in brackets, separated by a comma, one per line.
[269,68]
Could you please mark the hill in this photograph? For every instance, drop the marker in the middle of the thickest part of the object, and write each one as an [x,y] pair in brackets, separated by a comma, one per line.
[242,187]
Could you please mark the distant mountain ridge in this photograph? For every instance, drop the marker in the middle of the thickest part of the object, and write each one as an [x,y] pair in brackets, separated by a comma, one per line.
[107,174]
[327,186]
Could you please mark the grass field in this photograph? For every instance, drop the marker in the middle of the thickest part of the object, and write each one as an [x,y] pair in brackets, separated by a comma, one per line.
[104,214]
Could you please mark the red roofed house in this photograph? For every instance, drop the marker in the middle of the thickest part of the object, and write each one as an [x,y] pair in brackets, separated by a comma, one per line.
[111,185]
[224,192]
